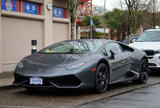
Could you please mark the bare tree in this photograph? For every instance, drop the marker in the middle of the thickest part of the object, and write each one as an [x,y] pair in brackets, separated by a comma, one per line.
[134,14]
[154,9]
[130,6]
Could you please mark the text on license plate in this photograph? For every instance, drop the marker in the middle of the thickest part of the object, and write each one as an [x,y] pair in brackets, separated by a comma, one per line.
[36,81]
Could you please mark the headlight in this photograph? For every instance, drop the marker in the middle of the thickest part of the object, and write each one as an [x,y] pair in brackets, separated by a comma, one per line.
[20,65]
[74,66]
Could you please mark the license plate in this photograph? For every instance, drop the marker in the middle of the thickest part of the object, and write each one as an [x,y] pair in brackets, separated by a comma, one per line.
[36,81]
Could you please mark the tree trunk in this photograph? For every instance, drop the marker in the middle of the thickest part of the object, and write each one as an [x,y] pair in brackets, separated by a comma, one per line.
[129,21]
[154,20]
[73,31]
[112,34]
[123,31]
[118,34]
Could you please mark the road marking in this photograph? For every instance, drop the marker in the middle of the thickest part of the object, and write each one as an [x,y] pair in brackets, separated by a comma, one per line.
[8,106]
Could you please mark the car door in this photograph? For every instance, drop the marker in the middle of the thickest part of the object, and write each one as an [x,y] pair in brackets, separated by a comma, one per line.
[119,65]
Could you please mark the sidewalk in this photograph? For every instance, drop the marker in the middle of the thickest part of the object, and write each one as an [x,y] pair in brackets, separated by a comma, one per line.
[6,79]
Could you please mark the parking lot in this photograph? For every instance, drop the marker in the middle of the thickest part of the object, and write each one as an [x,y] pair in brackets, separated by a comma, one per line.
[20,98]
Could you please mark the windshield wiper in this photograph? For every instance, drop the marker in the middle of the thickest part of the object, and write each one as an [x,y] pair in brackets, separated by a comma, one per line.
[140,41]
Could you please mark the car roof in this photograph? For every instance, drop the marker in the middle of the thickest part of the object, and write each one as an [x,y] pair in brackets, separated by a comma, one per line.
[153,30]
[102,40]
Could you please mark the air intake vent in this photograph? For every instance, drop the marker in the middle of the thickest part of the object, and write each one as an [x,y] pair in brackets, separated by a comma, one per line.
[150,52]
[70,80]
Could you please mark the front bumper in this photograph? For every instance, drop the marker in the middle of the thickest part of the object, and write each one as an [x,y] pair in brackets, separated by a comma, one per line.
[69,81]
[154,61]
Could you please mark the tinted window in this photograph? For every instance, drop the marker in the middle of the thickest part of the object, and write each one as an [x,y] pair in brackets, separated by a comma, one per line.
[114,46]
[152,36]
[73,47]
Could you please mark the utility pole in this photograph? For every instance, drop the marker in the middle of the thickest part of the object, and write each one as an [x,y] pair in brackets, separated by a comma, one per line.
[91,22]
[121,4]
[104,23]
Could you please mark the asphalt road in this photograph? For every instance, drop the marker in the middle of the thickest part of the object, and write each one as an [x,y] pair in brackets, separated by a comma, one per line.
[20,98]
[141,98]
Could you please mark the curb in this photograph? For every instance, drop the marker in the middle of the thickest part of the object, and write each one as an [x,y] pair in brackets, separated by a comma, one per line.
[7,87]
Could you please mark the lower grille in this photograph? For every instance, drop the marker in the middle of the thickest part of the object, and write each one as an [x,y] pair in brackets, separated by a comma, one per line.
[64,81]
[26,80]
[152,64]
[150,57]
[150,52]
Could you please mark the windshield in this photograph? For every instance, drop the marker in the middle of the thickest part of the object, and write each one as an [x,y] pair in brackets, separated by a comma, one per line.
[73,47]
[152,36]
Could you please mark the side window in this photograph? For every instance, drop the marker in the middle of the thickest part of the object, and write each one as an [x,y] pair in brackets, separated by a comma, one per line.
[114,46]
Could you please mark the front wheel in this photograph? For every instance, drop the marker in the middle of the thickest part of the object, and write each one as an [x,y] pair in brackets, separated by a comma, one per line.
[144,72]
[102,78]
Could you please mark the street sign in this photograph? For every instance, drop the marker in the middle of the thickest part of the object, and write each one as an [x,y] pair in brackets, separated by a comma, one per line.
[58,12]
[31,8]
[10,5]
[91,21]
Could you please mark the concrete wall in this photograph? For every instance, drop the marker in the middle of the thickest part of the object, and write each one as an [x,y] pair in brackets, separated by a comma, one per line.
[0,42]
[18,29]
[61,28]
[60,3]
[61,34]
[16,39]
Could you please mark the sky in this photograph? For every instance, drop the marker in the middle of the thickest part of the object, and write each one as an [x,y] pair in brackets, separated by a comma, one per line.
[110,4]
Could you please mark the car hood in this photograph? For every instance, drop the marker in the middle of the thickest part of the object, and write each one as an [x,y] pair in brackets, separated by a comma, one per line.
[146,45]
[51,61]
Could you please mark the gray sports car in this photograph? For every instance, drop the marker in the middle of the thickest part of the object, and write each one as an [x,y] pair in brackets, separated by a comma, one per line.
[76,64]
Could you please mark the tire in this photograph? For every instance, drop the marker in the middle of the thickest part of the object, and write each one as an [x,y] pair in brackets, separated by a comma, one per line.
[144,72]
[102,78]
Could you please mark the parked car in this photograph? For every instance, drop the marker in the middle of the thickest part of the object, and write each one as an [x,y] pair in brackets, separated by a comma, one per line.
[77,64]
[130,40]
[149,42]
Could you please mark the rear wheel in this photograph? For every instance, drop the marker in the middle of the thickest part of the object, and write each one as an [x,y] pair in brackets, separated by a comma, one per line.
[102,78]
[144,72]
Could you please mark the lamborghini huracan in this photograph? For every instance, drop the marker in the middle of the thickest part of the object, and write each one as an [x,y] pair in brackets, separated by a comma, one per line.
[82,64]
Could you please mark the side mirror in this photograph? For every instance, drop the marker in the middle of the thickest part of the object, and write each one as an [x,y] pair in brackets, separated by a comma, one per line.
[113,53]
[133,40]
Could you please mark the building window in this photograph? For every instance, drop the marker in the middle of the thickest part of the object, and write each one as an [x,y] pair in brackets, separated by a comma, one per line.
[59,12]
[21,6]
